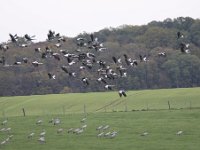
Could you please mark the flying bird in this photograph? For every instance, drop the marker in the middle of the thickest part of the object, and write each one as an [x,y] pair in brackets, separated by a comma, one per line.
[90,55]
[36,63]
[179,35]
[116,60]
[4,47]
[28,37]
[85,81]
[2,60]
[184,48]
[25,60]
[143,58]
[13,38]
[52,76]
[58,45]
[56,56]
[72,74]
[101,79]
[162,54]
[64,68]
[23,45]
[92,37]
[122,93]
[38,49]
[109,87]
[122,71]
[51,35]
[17,63]
[61,39]
[63,51]
[127,60]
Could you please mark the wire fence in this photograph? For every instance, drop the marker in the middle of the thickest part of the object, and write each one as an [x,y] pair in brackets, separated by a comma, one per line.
[117,105]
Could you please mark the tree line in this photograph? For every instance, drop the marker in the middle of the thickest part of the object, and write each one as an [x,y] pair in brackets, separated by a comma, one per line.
[176,70]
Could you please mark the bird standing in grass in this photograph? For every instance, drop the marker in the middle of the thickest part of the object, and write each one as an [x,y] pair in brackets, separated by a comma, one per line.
[42,140]
[4,122]
[30,136]
[60,130]
[179,132]
[83,120]
[144,134]
[39,122]
[43,133]
[100,134]
[56,121]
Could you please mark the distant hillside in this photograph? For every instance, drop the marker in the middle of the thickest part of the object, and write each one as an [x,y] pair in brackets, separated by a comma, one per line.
[34,105]
[177,69]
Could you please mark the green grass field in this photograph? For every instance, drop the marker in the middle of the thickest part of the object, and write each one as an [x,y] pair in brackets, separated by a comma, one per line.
[99,102]
[105,109]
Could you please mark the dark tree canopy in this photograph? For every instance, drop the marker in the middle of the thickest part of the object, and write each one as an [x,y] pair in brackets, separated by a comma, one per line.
[176,69]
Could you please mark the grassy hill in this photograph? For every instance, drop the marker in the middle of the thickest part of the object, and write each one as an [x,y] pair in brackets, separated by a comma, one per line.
[100,102]
[160,123]
[161,127]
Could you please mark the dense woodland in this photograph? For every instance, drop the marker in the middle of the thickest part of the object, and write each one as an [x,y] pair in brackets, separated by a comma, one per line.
[176,70]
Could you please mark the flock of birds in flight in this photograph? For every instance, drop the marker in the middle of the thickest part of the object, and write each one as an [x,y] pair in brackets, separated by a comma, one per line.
[85,56]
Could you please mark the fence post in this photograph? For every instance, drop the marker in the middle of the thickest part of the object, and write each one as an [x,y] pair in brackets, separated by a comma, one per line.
[169,105]
[84,108]
[24,113]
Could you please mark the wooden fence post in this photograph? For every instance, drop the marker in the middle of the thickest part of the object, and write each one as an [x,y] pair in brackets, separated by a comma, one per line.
[24,113]
[169,105]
